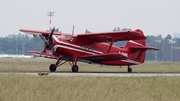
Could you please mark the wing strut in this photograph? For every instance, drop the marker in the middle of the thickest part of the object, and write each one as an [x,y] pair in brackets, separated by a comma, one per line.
[110,45]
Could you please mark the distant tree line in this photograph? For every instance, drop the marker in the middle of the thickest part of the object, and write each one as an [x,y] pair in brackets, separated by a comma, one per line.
[20,44]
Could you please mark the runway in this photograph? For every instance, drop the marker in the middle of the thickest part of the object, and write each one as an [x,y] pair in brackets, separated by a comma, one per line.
[100,74]
[116,74]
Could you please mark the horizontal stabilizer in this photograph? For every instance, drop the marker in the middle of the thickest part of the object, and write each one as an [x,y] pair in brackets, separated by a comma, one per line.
[142,48]
[43,54]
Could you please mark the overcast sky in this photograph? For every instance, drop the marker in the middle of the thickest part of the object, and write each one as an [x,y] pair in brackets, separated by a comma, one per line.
[154,17]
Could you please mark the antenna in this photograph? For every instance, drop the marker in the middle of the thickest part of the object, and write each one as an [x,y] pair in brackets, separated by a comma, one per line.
[73,30]
[50,14]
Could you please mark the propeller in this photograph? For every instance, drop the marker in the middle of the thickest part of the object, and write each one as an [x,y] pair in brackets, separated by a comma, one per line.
[42,37]
[49,42]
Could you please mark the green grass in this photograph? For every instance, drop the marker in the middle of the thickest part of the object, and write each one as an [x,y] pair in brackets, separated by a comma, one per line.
[41,64]
[15,87]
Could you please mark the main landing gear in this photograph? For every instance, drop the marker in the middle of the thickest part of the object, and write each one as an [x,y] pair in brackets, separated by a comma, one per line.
[129,69]
[75,68]
[52,68]
[59,62]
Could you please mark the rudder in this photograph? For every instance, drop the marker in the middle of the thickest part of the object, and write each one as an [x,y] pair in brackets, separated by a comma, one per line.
[136,54]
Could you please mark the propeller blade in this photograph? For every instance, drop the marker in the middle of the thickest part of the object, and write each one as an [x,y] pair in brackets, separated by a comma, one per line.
[50,36]
[49,44]
[43,38]
[52,31]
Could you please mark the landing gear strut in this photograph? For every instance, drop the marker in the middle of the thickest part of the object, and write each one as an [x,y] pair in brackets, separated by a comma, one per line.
[129,69]
[53,67]
[74,68]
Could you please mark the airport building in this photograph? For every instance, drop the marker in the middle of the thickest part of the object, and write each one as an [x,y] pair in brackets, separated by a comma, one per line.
[171,50]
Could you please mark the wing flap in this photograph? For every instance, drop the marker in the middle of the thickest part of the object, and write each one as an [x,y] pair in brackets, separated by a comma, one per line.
[108,36]
[103,57]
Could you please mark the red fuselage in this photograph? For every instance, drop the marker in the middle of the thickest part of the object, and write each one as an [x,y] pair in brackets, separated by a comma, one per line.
[70,46]
[93,48]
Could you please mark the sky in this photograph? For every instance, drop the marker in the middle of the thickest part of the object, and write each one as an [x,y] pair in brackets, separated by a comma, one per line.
[153,17]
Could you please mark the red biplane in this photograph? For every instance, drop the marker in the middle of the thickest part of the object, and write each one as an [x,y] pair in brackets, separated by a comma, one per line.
[93,48]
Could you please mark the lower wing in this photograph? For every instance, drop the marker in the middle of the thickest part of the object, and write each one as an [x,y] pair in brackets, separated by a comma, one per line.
[42,54]
[103,57]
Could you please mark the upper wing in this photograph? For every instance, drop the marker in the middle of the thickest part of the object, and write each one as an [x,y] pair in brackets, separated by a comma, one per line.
[96,37]
[38,32]
[108,36]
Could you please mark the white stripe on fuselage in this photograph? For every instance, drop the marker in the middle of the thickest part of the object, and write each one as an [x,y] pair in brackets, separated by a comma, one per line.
[61,42]
[74,49]
[135,43]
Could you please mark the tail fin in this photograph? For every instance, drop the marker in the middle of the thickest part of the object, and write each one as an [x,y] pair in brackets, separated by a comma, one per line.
[137,49]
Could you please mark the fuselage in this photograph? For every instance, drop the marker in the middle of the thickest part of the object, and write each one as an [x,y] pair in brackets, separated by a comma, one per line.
[70,46]
[93,48]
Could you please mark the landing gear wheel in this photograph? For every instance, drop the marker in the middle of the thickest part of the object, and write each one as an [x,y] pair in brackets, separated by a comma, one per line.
[52,68]
[129,70]
[75,68]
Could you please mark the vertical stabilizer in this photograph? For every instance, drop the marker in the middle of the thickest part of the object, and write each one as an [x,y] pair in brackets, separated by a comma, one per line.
[136,54]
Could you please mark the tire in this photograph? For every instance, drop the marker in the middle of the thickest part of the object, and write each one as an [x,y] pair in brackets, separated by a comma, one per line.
[129,70]
[75,68]
[52,68]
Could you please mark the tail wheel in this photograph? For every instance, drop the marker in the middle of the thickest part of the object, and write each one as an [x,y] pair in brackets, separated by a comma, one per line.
[129,69]
[75,68]
[52,68]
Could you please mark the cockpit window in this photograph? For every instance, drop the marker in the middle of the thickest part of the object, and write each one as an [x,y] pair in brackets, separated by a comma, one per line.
[68,37]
